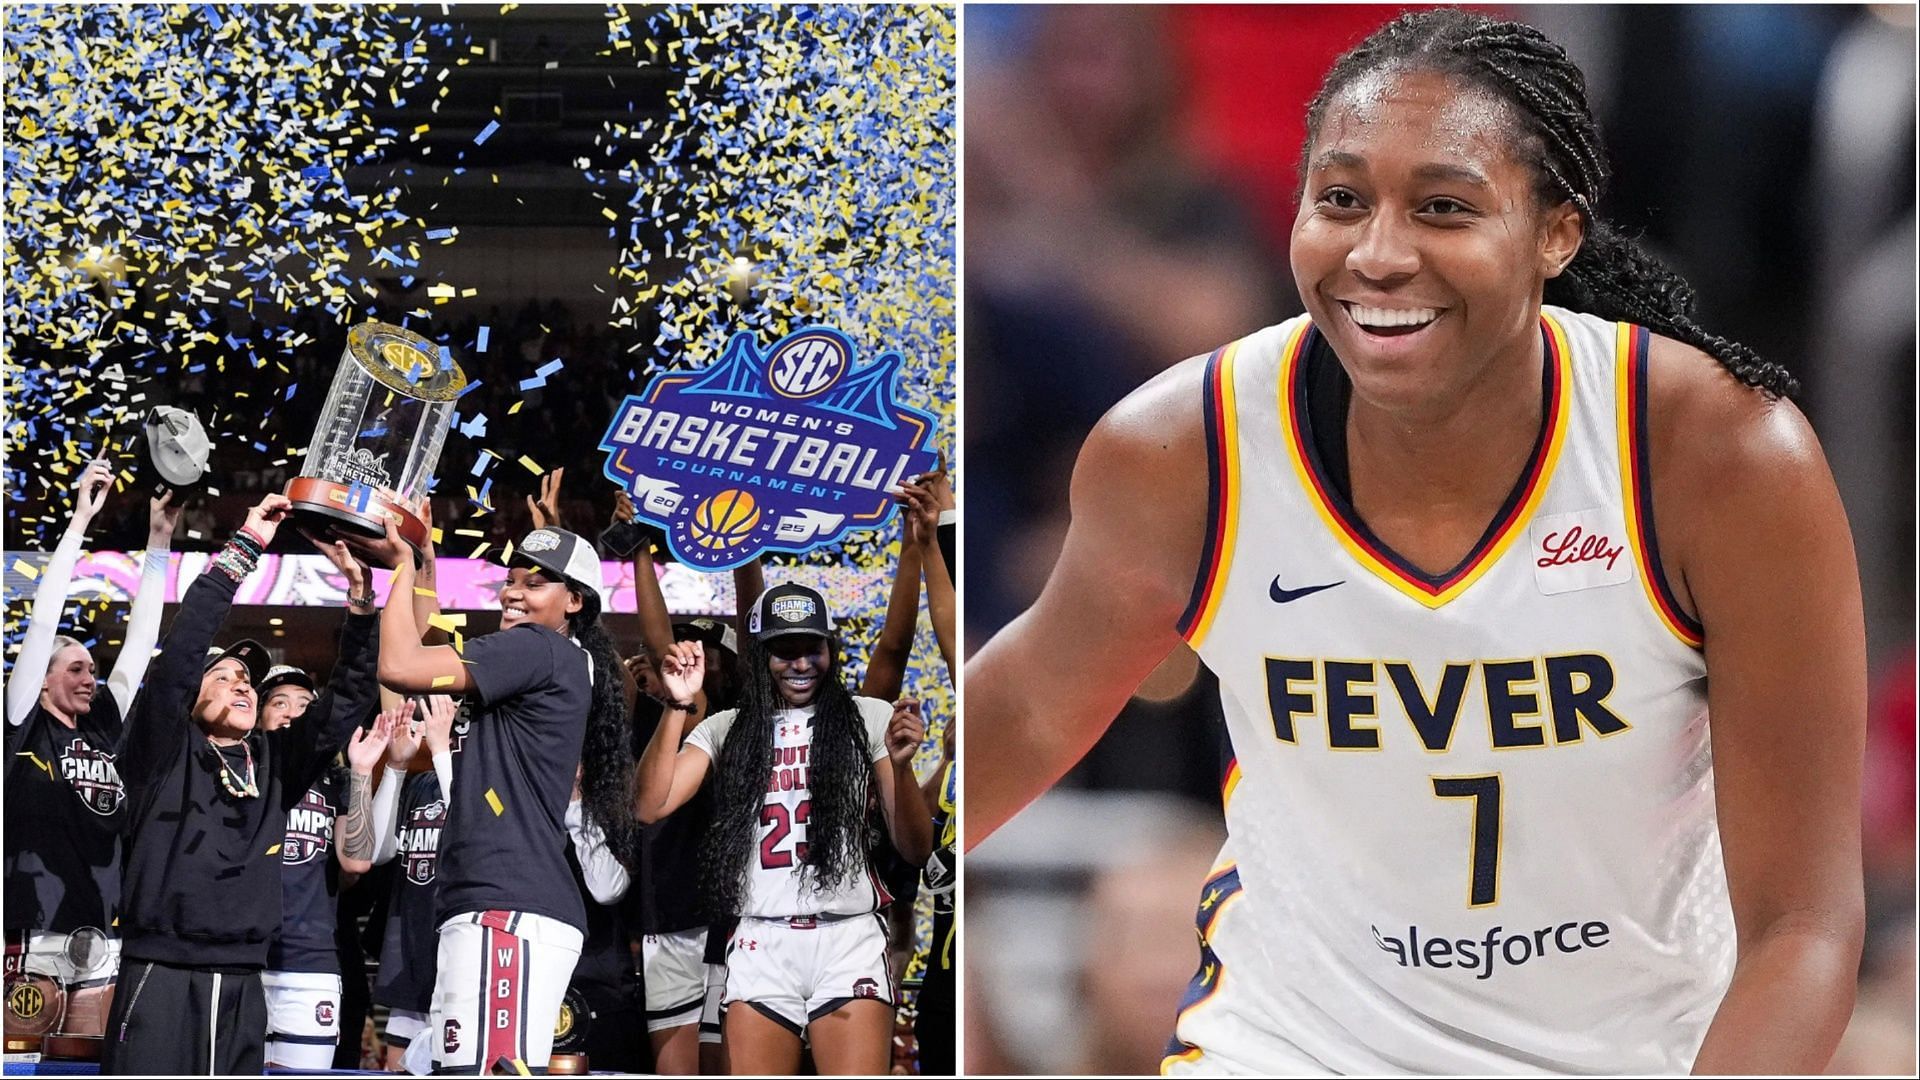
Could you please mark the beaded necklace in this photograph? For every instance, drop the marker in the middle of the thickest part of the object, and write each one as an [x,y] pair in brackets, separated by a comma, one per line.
[238,787]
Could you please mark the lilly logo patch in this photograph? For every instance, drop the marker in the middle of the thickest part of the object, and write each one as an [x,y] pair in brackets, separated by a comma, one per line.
[1586,549]
[789,449]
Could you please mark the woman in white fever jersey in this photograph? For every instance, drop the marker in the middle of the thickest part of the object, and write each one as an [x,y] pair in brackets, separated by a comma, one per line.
[1533,607]
[796,768]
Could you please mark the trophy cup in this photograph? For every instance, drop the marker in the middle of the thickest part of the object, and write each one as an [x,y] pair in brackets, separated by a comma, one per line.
[64,1018]
[379,437]
[86,1000]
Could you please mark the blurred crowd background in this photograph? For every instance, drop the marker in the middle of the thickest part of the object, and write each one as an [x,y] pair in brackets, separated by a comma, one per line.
[1129,188]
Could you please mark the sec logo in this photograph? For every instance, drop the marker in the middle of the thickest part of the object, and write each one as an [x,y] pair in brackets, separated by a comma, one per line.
[807,364]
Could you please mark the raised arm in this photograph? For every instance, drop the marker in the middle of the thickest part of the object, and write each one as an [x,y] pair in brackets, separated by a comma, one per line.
[887,664]
[749,582]
[669,772]
[909,821]
[50,596]
[426,589]
[656,623]
[355,825]
[1760,540]
[929,501]
[403,742]
[1044,689]
[158,723]
[405,665]
[143,619]
[351,695]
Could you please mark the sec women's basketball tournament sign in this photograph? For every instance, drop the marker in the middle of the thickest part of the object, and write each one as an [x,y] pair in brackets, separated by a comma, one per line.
[789,450]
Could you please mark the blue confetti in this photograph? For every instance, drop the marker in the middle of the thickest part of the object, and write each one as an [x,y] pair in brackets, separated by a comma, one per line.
[486,132]
[481,344]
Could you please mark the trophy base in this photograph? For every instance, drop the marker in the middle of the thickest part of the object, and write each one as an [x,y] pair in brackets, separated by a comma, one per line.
[567,1065]
[329,503]
[71,1047]
[23,1044]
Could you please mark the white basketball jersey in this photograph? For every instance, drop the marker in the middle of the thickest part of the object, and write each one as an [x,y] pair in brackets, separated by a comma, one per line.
[1471,816]
[776,887]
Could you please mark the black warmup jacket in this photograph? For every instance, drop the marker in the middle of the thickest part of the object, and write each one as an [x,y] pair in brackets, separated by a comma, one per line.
[201,886]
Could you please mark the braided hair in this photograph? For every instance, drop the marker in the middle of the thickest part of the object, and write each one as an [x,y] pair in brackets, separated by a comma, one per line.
[606,756]
[1612,275]
[839,767]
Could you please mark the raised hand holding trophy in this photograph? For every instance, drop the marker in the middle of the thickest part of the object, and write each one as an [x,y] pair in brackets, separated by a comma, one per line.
[379,436]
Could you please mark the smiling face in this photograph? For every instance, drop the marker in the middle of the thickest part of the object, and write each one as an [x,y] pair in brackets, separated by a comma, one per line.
[226,706]
[70,684]
[798,663]
[536,596]
[285,704]
[1421,248]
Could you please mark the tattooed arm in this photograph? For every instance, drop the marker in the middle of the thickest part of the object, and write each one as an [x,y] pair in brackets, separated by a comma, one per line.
[368,748]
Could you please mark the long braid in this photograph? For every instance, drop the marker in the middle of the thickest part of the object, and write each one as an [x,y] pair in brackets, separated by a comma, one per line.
[1612,275]
[839,768]
[606,755]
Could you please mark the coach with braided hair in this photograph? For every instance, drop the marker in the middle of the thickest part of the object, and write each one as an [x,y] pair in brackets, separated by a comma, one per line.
[1533,607]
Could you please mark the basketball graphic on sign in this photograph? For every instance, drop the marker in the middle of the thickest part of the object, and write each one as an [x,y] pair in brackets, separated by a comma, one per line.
[785,448]
[726,519]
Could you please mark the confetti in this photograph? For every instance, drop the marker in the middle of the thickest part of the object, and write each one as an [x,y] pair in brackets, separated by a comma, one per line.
[486,132]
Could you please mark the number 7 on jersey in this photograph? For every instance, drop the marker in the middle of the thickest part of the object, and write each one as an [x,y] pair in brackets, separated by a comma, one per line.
[1483,877]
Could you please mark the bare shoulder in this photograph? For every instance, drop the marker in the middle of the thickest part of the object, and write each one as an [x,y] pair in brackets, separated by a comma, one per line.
[1160,425]
[1140,491]
[1707,428]
[1740,485]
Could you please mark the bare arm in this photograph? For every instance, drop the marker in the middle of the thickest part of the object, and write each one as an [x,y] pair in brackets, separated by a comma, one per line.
[669,772]
[656,623]
[1767,562]
[928,501]
[426,596]
[1048,685]
[909,821]
[887,664]
[407,666]
[749,582]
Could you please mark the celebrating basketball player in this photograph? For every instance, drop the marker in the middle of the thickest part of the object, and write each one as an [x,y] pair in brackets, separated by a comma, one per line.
[545,697]
[1533,607]
[208,794]
[64,798]
[795,767]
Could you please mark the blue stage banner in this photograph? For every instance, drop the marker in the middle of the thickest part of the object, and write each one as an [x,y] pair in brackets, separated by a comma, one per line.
[787,450]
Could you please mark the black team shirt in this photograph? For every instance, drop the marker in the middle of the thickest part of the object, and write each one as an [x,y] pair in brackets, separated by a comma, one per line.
[202,883]
[504,847]
[409,950]
[65,806]
[310,879]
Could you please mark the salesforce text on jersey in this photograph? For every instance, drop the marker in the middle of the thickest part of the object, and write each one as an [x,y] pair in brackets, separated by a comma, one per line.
[1484,954]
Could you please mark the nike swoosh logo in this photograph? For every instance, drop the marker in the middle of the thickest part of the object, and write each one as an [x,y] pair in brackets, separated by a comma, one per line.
[1288,596]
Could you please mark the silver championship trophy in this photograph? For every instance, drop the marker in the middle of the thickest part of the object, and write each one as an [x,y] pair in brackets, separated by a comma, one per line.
[379,437]
[64,1016]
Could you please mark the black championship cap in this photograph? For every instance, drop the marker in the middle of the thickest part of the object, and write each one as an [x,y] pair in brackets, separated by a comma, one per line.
[251,654]
[707,631]
[789,609]
[284,675]
[565,554]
